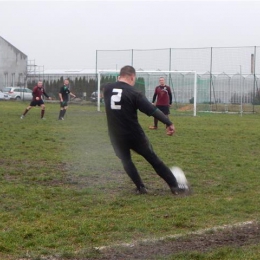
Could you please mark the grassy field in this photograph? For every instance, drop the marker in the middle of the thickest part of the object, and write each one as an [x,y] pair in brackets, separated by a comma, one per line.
[64,192]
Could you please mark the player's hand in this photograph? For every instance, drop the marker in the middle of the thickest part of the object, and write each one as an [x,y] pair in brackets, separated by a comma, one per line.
[170,130]
[50,98]
[37,98]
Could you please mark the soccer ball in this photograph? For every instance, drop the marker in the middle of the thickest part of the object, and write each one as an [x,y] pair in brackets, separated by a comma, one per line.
[180,177]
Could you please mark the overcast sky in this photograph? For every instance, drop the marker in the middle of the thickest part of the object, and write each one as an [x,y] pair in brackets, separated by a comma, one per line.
[66,34]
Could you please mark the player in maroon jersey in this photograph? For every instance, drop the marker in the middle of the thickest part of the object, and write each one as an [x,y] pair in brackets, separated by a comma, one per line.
[122,101]
[164,100]
[37,100]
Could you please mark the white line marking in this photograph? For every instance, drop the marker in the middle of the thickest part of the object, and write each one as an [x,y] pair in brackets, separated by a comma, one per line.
[153,240]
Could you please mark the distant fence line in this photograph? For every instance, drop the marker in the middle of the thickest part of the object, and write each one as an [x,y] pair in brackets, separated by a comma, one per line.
[226,75]
[214,60]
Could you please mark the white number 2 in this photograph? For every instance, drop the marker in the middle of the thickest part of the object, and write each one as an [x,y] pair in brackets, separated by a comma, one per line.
[116,98]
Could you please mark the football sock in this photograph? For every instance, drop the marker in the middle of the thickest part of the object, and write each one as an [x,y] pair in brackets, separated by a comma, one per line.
[155,122]
[42,113]
[26,111]
[61,112]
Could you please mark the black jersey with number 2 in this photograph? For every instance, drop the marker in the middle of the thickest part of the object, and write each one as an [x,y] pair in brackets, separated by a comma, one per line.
[122,103]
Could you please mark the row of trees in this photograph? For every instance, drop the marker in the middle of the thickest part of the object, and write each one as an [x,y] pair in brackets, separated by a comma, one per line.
[81,85]
[78,86]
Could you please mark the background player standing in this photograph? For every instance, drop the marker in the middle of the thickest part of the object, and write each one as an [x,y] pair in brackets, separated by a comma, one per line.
[37,100]
[164,100]
[64,98]
[122,101]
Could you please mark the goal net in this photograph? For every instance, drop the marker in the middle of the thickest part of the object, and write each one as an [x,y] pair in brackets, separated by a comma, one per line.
[183,85]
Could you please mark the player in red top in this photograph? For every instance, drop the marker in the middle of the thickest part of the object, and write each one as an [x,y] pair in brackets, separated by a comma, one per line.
[164,100]
[37,93]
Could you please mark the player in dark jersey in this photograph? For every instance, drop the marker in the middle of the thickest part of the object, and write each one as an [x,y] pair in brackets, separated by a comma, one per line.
[64,98]
[37,100]
[164,100]
[122,101]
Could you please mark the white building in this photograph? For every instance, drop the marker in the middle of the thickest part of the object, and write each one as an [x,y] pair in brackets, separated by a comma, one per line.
[13,65]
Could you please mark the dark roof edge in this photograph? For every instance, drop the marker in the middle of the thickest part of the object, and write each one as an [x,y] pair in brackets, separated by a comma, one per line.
[13,46]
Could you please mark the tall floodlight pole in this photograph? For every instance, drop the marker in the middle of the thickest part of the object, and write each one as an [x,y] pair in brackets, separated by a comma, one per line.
[241,97]
[98,94]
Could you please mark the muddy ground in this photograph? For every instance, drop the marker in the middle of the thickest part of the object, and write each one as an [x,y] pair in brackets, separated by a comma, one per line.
[248,234]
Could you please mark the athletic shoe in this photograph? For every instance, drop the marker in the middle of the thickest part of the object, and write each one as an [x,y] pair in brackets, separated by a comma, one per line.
[43,118]
[181,191]
[141,190]
[152,127]
[22,117]
[61,118]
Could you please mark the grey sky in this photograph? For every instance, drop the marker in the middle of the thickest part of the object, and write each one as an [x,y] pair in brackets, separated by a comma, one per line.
[66,34]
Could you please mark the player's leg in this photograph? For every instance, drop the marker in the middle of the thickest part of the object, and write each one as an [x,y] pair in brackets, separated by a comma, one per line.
[132,172]
[166,174]
[144,148]
[62,105]
[165,110]
[122,151]
[27,110]
[155,124]
[63,109]
[42,109]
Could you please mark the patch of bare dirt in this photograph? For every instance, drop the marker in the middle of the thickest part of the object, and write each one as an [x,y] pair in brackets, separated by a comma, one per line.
[186,108]
[240,235]
[235,237]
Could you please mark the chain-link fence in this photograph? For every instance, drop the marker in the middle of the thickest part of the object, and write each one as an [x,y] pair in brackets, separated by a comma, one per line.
[228,77]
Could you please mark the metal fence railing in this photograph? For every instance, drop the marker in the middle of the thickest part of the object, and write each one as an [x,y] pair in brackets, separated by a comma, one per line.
[227,76]
[212,59]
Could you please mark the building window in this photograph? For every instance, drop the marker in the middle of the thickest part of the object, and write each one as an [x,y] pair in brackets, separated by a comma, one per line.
[6,79]
[20,80]
[13,79]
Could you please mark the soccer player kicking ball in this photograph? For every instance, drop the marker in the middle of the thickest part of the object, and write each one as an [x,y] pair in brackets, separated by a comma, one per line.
[122,101]
[64,98]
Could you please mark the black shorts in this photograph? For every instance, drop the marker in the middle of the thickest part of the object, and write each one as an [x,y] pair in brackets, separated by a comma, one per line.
[164,109]
[64,104]
[35,103]
[140,145]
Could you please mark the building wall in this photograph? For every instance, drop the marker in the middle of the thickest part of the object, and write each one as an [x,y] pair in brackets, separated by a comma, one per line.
[13,65]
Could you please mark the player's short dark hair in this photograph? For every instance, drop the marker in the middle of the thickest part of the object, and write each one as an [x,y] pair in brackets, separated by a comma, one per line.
[127,71]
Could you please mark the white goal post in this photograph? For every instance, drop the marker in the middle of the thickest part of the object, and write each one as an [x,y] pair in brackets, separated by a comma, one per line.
[182,83]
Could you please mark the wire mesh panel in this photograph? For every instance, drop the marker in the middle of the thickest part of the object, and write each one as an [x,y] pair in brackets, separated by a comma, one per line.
[256,61]
[113,60]
[192,59]
[232,60]
[152,59]
[227,76]
[183,86]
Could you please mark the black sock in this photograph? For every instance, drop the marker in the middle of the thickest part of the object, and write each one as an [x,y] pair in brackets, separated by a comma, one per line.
[26,111]
[60,115]
[63,112]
